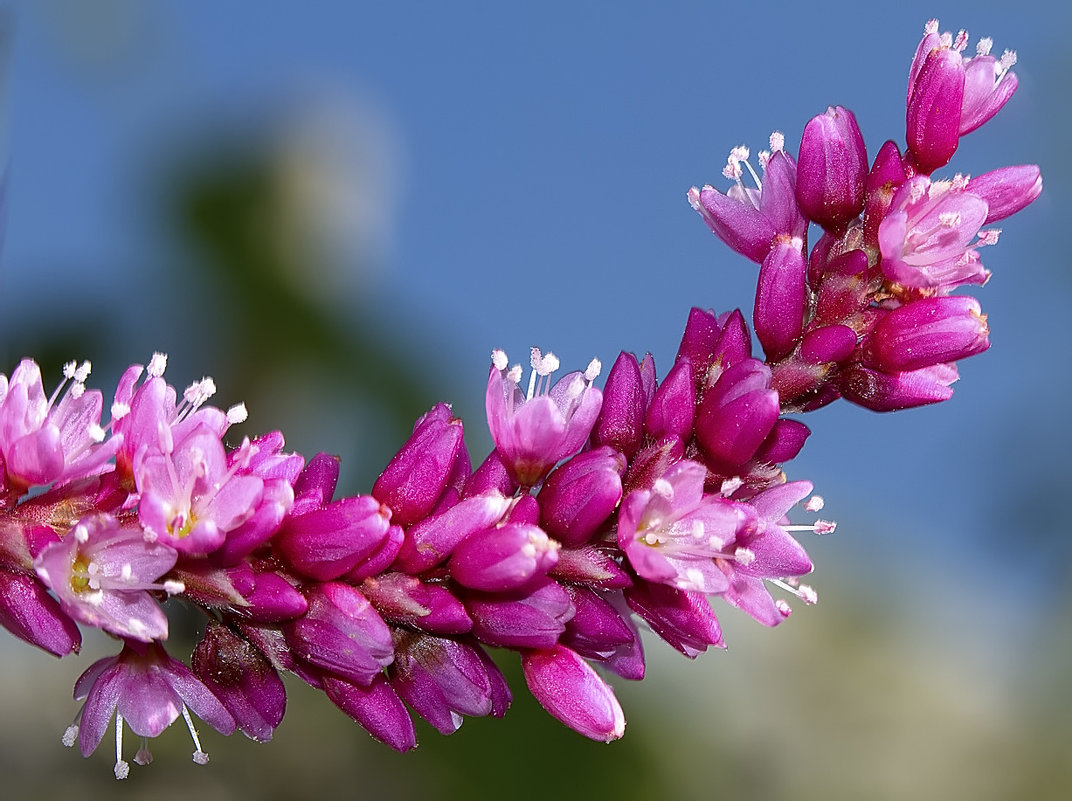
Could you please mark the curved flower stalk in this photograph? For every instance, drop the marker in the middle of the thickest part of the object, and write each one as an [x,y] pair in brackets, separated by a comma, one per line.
[597,511]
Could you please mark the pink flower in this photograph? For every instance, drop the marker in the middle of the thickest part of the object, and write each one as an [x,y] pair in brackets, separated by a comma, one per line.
[54,439]
[534,432]
[149,690]
[103,575]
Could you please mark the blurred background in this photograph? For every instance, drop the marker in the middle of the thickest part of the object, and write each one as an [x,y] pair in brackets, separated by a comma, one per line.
[338,210]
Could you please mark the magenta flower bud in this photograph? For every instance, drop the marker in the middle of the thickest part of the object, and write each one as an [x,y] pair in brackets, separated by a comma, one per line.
[327,543]
[524,512]
[1007,190]
[503,558]
[603,629]
[581,494]
[830,343]
[883,392]
[380,559]
[341,633]
[533,620]
[443,679]
[673,409]
[734,343]
[682,618]
[784,442]
[886,176]
[241,677]
[277,499]
[315,485]
[778,316]
[270,598]
[571,691]
[376,708]
[621,419]
[934,109]
[831,168]
[417,475]
[408,601]
[434,539]
[30,613]
[591,565]
[736,222]
[927,332]
[738,413]
[492,474]
[596,629]
[699,343]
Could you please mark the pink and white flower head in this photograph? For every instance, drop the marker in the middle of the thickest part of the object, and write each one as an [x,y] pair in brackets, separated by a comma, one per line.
[191,493]
[103,575]
[929,237]
[534,431]
[750,219]
[148,690]
[674,534]
[139,411]
[51,439]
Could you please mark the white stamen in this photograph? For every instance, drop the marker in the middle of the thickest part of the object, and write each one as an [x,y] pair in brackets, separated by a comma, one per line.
[982,48]
[200,757]
[95,432]
[1007,60]
[81,533]
[82,373]
[591,373]
[172,587]
[808,595]
[949,219]
[961,41]
[157,365]
[777,141]
[931,26]
[69,369]
[498,358]
[119,411]
[989,237]
[126,573]
[77,390]
[237,414]
[814,504]
[783,608]
[122,769]
[825,527]
[70,736]
[514,375]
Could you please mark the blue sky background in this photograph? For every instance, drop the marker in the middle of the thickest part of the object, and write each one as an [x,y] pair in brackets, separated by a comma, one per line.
[508,175]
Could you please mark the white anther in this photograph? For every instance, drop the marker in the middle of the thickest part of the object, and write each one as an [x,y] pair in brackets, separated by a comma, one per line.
[237,414]
[499,360]
[591,372]
[172,587]
[70,736]
[157,365]
[814,504]
[119,411]
[777,141]
[982,48]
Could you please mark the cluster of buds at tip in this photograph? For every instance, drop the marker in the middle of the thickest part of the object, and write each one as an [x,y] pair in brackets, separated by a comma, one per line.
[868,313]
[597,513]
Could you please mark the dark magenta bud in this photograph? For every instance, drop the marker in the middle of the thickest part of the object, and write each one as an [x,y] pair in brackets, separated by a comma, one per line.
[781,294]
[434,539]
[242,678]
[315,485]
[621,419]
[935,102]
[503,558]
[380,559]
[927,332]
[885,392]
[673,408]
[341,633]
[533,620]
[376,708]
[737,414]
[682,618]
[417,475]
[408,601]
[784,442]
[270,598]
[581,494]
[571,691]
[831,169]
[329,542]
[830,343]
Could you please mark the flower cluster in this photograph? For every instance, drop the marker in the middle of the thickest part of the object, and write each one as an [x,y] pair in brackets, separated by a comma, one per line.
[596,511]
